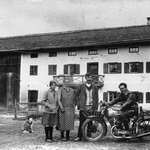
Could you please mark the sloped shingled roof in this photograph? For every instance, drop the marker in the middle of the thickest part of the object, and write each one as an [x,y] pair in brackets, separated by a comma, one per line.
[82,38]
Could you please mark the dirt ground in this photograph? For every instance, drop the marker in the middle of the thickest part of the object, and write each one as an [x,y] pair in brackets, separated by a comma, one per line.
[11,138]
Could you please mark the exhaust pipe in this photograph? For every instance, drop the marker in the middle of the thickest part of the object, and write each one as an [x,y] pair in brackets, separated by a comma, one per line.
[130,137]
[144,134]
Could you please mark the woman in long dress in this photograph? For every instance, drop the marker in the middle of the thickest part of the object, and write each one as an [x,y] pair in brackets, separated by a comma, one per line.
[66,101]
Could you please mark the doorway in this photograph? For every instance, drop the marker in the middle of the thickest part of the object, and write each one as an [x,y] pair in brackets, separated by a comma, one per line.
[9,80]
[32,98]
[92,68]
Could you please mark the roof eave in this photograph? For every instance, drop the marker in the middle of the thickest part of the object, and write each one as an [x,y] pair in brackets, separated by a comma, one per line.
[87,45]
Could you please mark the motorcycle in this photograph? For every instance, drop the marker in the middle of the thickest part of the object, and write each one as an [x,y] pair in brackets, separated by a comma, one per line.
[95,127]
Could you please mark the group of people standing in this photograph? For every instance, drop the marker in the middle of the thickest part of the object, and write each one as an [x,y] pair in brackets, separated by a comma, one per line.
[60,107]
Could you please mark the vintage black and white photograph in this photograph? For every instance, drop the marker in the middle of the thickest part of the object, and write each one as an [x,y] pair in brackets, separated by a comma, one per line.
[74,74]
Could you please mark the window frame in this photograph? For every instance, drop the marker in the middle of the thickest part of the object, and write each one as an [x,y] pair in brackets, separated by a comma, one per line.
[112,50]
[33,98]
[33,70]
[106,95]
[52,54]
[112,94]
[107,69]
[72,53]
[134,49]
[140,96]
[75,69]
[34,55]
[54,67]
[127,67]
[92,52]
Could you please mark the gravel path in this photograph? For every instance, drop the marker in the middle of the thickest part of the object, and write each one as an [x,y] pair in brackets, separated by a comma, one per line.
[11,138]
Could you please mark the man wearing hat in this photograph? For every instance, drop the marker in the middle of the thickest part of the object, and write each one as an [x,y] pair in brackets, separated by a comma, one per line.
[87,94]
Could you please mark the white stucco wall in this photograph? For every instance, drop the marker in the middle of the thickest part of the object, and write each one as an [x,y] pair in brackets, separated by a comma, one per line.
[136,82]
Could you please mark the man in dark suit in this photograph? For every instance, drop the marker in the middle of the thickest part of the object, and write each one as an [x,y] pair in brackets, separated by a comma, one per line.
[87,94]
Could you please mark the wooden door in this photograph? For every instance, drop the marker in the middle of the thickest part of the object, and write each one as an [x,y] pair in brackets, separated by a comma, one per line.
[93,69]
[32,97]
[9,80]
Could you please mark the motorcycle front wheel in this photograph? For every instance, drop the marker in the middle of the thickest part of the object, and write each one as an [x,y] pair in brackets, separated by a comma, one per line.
[144,127]
[93,129]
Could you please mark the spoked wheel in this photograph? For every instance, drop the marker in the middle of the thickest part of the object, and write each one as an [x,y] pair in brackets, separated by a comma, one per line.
[93,129]
[144,127]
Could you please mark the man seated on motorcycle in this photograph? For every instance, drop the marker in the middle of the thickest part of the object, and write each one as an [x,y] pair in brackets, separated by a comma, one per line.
[129,106]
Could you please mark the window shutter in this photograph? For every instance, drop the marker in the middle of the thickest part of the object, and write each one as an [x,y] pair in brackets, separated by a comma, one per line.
[36,70]
[50,70]
[105,68]
[118,67]
[77,69]
[140,67]
[140,98]
[147,67]
[65,69]
[31,70]
[105,96]
[54,70]
[148,97]
[126,67]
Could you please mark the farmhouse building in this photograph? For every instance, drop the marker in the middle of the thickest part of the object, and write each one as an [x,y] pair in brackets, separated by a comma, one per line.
[112,55]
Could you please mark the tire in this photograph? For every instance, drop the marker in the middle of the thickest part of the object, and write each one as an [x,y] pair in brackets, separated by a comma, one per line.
[93,129]
[144,127]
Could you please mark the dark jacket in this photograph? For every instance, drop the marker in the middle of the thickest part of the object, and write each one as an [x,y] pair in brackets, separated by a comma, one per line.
[81,96]
[128,101]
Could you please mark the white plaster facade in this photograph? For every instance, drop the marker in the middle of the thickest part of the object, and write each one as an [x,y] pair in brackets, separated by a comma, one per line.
[135,81]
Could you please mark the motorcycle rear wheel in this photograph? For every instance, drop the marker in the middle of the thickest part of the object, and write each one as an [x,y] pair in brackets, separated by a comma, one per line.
[144,127]
[93,129]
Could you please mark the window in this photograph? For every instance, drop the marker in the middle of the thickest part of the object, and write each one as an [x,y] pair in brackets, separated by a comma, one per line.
[105,96]
[139,96]
[52,69]
[112,68]
[110,95]
[92,68]
[52,54]
[133,67]
[93,52]
[133,49]
[72,69]
[147,97]
[147,67]
[34,55]
[112,50]
[72,53]
[33,70]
